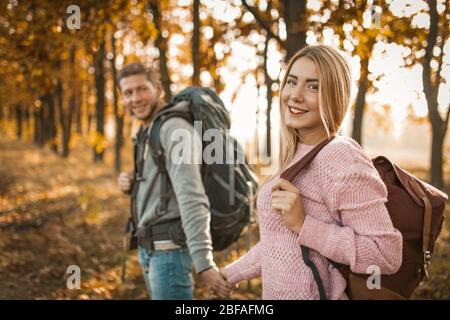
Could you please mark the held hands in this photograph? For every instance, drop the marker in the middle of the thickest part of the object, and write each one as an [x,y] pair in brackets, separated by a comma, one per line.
[286,201]
[216,281]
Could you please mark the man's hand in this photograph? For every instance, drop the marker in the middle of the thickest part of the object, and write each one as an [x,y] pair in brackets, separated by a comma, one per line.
[215,281]
[124,181]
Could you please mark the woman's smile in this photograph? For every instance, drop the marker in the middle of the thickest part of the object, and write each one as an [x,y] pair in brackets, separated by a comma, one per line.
[296,111]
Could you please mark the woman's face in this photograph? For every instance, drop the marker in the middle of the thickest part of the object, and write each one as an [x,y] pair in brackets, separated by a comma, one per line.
[300,97]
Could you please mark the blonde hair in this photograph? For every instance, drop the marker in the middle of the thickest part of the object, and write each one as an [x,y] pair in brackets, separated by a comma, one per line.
[334,95]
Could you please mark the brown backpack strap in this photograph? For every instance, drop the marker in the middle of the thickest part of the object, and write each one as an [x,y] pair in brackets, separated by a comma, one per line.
[426,224]
[290,173]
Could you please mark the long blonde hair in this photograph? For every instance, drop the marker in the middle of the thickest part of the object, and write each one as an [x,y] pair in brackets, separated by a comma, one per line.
[334,95]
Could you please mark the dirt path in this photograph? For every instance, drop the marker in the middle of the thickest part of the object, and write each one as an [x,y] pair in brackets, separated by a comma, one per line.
[55,213]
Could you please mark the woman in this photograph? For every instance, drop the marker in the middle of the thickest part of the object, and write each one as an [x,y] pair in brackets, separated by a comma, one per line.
[335,206]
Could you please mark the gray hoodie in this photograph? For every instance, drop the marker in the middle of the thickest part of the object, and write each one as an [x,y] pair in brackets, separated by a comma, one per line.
[187,198]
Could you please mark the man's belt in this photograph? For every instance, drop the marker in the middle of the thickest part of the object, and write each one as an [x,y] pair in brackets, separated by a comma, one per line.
[157,237]
[165,245]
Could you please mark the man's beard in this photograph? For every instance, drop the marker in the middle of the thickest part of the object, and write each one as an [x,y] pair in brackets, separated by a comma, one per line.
[153,110]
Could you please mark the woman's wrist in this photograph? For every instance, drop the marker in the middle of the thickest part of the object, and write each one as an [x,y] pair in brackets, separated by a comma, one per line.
[298,227]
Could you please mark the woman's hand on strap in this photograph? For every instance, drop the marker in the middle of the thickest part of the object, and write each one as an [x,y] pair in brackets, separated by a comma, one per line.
[286,200]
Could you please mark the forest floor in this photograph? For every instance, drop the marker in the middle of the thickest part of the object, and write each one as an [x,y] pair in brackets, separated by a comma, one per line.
[57,212]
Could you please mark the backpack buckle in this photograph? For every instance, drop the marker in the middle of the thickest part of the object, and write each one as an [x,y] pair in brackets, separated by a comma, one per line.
[426,262]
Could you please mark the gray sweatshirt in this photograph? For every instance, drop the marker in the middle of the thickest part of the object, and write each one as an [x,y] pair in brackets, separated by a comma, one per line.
[187,198]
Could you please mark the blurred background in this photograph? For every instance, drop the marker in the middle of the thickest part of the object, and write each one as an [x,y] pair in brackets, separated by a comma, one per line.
[64,134]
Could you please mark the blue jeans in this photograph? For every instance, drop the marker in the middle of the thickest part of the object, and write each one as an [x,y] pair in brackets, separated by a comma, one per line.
[167,274]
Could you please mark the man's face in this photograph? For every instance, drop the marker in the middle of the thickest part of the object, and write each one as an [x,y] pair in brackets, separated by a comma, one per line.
[140,96]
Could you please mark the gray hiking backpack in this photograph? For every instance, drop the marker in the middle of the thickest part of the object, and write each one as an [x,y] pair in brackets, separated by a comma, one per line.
[230,183]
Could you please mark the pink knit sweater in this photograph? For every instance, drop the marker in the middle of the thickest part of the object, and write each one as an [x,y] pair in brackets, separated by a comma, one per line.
[346,221]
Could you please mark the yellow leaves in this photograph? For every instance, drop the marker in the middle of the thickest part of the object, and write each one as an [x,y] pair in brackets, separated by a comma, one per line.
[399,26]
[90,206]
[153,30]
[74,140]
[84,202]
[98,141]
[373,33]
[37,72]
[93,215]
[55,29]
[21,27]
[387,32]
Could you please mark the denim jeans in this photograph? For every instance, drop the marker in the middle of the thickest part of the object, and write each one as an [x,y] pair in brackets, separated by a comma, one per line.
[167,274]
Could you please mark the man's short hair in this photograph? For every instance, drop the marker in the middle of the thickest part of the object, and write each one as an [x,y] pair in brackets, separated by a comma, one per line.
[137,68]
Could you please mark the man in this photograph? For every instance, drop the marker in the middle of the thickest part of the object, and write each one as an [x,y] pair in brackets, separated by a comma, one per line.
[167,265]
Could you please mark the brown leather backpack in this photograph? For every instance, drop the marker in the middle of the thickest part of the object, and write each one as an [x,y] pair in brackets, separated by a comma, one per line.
[416,210]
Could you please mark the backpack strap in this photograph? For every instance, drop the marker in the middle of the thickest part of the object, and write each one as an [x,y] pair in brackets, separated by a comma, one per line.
[157,152]
[289,174]
[310,264]
[137,178]
[426,225]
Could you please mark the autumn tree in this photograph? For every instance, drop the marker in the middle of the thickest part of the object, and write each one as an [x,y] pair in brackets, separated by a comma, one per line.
[437,36]
[156,8]
[359,26]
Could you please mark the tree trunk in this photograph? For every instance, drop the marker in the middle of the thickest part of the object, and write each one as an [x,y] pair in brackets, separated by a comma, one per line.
[19,116]
[39,122]
[46,119]
[50,127]
[79,113]
[161,44]
[196,43]
[66,118]
[100,104]
[89,109]
[42,137]
[118,115]
[1,112]
[67,128]
[431,89]
[89,124]
[36,126]
[360,102]
[269,83]
[61,112]
[11,113]
[437,173]
[27,121]
[295,19]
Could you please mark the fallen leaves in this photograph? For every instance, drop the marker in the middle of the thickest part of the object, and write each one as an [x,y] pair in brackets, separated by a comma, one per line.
[59,212]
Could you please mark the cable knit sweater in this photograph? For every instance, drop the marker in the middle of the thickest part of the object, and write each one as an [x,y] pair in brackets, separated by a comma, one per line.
[345,220]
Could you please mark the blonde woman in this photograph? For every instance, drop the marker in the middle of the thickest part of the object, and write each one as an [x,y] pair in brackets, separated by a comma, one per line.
[335,206]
